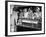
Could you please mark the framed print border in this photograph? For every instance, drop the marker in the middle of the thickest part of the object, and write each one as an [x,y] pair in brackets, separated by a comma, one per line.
[6,18]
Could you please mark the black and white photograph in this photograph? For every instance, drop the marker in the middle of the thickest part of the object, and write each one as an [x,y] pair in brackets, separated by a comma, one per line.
[25,18]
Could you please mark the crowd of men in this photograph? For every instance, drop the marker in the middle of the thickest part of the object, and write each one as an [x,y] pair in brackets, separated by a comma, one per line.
[30,14]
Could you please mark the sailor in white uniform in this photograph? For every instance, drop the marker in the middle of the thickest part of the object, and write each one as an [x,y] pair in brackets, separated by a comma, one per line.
[38,13]
[25,13]
[13,20]
[30,13]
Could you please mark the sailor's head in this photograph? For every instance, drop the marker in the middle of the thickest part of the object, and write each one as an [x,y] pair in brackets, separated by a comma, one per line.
[20,10]
[37,9]
[25,9]
[29,10]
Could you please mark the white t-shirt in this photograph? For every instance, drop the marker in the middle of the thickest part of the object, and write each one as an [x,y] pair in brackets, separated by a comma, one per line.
[26,14]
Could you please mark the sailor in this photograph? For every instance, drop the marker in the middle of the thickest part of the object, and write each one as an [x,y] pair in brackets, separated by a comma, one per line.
[30,13]
[13,19]
[38,13]
[25,13]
